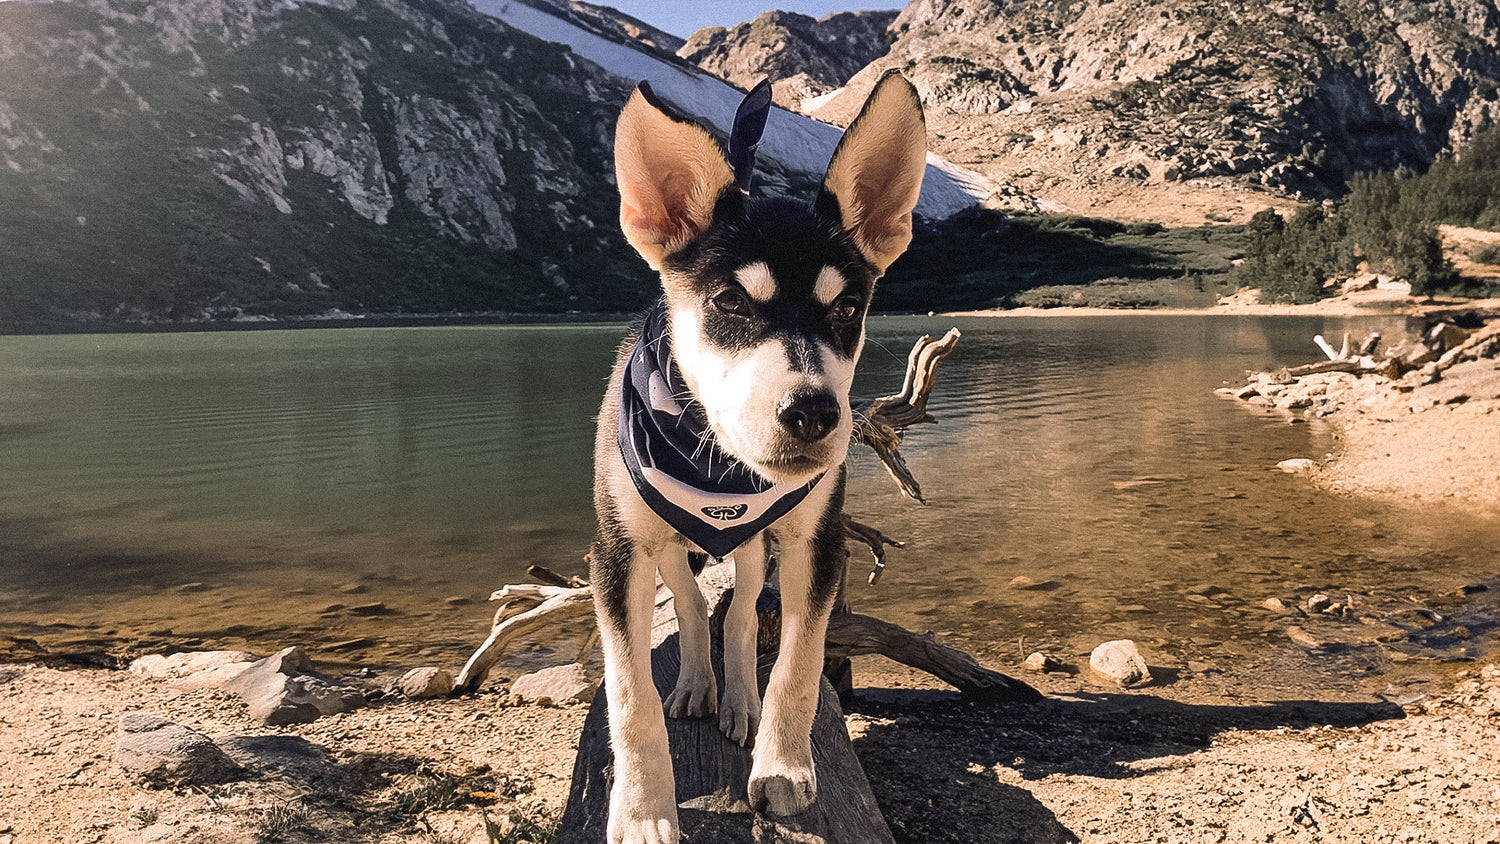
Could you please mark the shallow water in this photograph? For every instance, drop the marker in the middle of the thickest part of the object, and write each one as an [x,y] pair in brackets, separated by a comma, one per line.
[251,488]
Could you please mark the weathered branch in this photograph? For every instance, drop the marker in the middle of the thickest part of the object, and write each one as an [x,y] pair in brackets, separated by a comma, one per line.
[522,613]
[873,538]
[852,634]
[879,424]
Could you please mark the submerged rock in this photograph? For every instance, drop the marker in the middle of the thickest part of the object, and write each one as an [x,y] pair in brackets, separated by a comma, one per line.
[1042,662]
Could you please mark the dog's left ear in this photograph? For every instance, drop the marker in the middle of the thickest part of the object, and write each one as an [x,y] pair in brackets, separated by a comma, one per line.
[671,172]
[875,176]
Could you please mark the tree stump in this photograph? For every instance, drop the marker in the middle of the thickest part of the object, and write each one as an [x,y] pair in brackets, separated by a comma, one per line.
[712,772]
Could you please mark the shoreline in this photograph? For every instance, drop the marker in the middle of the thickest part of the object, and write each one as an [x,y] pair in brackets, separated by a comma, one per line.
[1368,303]
[1373,304]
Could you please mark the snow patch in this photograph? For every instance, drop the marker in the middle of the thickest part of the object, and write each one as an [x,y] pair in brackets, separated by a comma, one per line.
[799,143]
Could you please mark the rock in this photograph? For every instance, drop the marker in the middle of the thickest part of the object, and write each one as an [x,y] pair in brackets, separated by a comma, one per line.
[558,684]
[420,683]
[1042,662]
[1297,464]
[373,608]
[1274,605]
[1303,638]
[1030,585]
[1318,603]
[1120,662]
[171,666]
[284,689]
[160,752]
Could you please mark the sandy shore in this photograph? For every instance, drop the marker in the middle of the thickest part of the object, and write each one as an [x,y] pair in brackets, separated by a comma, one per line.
[1094,764]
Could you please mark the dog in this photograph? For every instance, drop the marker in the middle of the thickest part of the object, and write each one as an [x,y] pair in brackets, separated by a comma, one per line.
[725,427]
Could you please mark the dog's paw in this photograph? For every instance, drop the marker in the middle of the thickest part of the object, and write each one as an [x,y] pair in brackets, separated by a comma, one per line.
[653,820]
[692,698]
[739,715]
[643,831]
[783,791]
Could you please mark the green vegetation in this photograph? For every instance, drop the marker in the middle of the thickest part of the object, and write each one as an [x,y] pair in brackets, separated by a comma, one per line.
[281,820]
[1388,221]
[118,206]
[524,829]
[988,259]
[1486,254]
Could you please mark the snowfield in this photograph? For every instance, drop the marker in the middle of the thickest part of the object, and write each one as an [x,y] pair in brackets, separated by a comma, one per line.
[799,143]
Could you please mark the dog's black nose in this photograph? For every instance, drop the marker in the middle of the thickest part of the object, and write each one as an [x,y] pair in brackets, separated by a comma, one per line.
[809,415]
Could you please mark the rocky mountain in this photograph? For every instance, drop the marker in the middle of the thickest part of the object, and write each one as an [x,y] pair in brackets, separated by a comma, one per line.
[214,159]
[199,160]
[804,57]
[1175,109]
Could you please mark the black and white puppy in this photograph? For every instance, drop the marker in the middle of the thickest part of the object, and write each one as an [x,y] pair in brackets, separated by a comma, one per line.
[726,424]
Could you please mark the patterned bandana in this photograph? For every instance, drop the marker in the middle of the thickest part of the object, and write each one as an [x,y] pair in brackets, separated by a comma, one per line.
[706,495]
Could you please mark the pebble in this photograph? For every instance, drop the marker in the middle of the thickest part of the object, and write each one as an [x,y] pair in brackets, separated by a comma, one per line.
[1042,662]
[426,682]
[1303,638]
[1030,585]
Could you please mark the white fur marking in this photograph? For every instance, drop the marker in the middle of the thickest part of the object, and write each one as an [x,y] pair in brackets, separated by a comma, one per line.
[829,285]
[757,281]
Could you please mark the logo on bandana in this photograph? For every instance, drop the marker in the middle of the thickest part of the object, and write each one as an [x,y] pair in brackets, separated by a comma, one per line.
[725,512]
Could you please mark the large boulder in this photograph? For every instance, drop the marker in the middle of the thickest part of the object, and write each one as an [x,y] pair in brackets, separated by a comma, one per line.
[284,689]
[160,752]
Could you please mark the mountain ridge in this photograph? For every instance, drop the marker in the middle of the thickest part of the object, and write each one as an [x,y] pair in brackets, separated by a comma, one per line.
[1105,106]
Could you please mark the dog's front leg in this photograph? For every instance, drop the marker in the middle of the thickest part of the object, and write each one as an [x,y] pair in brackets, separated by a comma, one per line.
[643,800]
[782,780]
[739,715]
[697,693]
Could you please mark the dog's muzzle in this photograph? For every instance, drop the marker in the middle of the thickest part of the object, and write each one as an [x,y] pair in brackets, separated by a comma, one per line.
[809,415]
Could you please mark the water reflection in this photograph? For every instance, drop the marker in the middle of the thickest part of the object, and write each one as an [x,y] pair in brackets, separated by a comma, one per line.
[263,480]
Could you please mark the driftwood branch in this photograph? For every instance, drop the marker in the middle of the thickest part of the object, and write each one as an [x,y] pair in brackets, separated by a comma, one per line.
[873,538]
[879,424]
[852,634]
[524,610]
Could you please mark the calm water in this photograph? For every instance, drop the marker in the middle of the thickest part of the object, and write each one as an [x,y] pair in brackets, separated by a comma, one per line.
[248,488]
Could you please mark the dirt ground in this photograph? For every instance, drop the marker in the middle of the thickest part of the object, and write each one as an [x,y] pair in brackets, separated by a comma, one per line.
[1090,765]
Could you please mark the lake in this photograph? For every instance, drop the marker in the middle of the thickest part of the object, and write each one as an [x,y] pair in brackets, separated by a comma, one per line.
[361,491]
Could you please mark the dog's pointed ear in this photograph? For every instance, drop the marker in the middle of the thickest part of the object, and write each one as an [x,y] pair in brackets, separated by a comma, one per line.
[875,176]
[670,172]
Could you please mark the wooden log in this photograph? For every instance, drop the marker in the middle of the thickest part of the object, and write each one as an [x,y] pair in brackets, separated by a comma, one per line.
[712,774]
[851,634]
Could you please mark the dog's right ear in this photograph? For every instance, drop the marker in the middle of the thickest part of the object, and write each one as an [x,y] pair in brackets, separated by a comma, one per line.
[670,171]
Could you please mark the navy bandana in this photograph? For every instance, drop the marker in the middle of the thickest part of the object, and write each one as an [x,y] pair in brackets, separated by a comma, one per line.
[706,495]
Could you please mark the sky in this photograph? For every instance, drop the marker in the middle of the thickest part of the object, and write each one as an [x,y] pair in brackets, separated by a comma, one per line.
[683,17]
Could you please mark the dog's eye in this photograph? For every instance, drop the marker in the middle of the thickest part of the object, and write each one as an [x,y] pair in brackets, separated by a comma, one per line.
[732,302]
[845,309]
